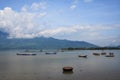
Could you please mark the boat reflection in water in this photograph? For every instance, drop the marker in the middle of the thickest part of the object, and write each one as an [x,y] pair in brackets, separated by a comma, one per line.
[68,72]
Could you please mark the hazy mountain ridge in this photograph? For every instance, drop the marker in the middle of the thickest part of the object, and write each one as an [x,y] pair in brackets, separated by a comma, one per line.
[40,43]
[3,34]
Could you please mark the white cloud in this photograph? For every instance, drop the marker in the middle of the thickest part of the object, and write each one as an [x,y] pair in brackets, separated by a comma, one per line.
[55,31]
[42,14]
[24,8]
[23,25]
[72,7]
[75,1]
[19,24]
[74,4]
[41,6]
[87,1]
[38,6]
[86,30]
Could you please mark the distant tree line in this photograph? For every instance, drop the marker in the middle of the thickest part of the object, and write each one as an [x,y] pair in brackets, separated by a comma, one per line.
[92,48]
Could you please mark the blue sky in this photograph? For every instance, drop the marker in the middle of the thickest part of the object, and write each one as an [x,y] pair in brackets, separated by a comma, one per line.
[95,21]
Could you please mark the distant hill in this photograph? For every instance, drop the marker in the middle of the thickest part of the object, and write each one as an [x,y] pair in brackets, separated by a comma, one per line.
[40,43]
[3,34]
[114,45]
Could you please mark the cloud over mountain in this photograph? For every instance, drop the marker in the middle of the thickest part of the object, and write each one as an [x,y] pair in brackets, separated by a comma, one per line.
[19,24]
[23,24]
[83,20]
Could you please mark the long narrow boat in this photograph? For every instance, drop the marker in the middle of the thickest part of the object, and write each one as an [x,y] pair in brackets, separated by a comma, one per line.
[103,53]
[26,54]
[96,54]
[84,56]
[50,53]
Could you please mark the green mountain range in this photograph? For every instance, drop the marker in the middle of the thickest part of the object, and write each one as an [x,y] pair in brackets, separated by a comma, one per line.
[40,43]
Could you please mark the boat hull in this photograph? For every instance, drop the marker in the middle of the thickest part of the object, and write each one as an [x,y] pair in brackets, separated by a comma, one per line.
[26,54]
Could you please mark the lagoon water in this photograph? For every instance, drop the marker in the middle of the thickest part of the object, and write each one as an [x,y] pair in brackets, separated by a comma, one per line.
[49,67]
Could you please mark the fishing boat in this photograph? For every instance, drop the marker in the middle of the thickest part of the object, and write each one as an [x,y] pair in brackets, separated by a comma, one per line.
[96,54]
[50,53]
[26,54]
[110,55]
[103,53]
[84,56]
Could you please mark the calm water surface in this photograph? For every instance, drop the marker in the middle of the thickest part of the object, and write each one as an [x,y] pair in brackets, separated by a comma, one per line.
[49,67]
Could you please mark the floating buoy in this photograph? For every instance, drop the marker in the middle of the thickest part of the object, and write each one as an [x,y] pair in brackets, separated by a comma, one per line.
[67,68]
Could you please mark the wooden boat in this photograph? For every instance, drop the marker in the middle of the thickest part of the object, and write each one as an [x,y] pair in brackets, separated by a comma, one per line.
[26,54]
[62,51]
[67,68]
[84,56]
[111,53]
[109,56]
[50,53]
[96,54]
[103,53]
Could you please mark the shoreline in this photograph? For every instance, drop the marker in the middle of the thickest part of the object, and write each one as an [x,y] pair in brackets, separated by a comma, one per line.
[99,48]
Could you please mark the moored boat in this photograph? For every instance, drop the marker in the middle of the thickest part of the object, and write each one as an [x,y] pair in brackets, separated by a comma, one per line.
[26,54]
[110,55]
[96,54]
[67,68]
[84,56]
[50,53]
[103,53]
